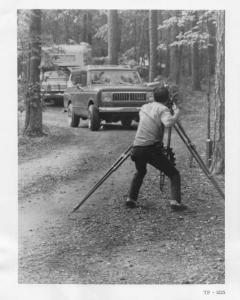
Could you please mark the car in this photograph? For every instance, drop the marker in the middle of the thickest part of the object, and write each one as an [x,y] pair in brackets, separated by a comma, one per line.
[109,93]
[53,85]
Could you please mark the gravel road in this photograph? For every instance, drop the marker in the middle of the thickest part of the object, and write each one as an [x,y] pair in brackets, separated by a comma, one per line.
[104,242]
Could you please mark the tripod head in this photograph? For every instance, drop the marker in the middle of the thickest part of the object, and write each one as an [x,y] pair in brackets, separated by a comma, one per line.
[173,95]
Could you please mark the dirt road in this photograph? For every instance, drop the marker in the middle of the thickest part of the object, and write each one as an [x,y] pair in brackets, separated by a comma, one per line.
[104,242]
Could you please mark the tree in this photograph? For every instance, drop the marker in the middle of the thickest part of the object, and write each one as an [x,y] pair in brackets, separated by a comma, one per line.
[218,160]
[113,44]
[173,53]
[33,119]
[211,28]
[87,27]
[195,58]
[153,17]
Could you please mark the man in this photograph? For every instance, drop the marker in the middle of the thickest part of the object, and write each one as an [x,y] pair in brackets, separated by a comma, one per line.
[147,147]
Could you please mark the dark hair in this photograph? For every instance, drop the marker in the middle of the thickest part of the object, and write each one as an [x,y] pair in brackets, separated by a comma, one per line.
[161,94]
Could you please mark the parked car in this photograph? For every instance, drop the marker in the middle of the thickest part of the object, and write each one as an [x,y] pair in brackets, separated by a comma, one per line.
[105,92]
[53,86]
[56,63]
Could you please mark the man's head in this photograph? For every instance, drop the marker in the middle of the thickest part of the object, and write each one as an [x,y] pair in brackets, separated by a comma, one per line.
[161,94]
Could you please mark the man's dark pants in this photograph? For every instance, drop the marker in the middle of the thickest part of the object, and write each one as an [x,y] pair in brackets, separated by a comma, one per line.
[143,155]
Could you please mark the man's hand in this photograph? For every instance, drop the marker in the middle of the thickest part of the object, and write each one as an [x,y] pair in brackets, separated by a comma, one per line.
[176,110]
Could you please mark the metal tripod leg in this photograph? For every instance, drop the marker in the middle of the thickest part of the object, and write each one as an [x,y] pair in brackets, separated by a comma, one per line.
[162,175]
[113,168]
[179,129]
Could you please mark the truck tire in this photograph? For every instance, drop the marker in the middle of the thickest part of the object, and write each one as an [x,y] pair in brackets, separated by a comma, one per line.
[126,122]
[94,119]
[72,117]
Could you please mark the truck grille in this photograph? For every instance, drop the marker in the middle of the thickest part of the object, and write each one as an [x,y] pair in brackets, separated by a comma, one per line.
[129,96]
[58,87]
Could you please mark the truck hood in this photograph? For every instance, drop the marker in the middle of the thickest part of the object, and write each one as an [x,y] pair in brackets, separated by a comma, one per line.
[120,88]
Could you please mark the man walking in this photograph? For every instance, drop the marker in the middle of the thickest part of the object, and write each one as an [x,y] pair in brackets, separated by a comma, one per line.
[148,146]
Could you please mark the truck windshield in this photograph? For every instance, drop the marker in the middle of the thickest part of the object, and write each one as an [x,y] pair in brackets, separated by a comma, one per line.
[114,77]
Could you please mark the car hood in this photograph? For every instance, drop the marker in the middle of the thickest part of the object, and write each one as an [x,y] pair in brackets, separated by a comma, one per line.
[53,82]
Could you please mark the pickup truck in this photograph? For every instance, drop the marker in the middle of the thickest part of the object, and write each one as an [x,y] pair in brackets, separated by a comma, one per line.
[109,93]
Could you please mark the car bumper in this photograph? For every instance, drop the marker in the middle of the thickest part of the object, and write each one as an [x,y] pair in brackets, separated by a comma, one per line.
[47,96]
[119,109]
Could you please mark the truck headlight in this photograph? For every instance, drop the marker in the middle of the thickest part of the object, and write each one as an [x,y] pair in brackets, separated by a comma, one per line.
[106,97]
[150,97]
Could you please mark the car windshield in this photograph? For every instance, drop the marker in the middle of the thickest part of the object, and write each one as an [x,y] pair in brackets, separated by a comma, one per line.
[56,75]
[114,77]
[79,77]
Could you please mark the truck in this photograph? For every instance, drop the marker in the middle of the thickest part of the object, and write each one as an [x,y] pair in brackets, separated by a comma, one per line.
[56,65]
[109,93]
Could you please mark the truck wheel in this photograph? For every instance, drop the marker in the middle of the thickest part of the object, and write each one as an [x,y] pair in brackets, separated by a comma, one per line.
[126,122]
[94,119]
[72,117]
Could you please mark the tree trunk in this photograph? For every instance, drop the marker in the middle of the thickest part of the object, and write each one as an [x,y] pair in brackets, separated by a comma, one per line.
[85,31]
[153,16]
[167,69]
[173,67]
[212,44]
[195,61]
[195,68]
[33,119]
[119,34]
[218,159]
[89,28]
[135,39]
[141,39]
[189,61]
[113,44]
[179,64]
[67,29]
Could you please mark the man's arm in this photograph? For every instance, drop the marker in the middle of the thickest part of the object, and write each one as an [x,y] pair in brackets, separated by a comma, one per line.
[169,119]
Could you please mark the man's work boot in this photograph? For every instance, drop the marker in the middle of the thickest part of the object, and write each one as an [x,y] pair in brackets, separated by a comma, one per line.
[131,203]
[176,206]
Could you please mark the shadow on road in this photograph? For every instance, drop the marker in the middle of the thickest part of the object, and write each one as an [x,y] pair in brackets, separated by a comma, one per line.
[118,127]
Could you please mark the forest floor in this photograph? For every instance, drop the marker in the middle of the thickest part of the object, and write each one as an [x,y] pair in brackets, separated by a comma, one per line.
[104,242]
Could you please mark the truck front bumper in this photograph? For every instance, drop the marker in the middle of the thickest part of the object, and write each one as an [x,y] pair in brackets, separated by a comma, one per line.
[119,109]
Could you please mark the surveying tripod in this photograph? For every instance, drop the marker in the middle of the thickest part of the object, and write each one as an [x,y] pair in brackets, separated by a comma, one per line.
[124,156]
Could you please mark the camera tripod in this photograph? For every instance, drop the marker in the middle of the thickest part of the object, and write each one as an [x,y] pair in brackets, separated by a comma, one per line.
[124,156]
